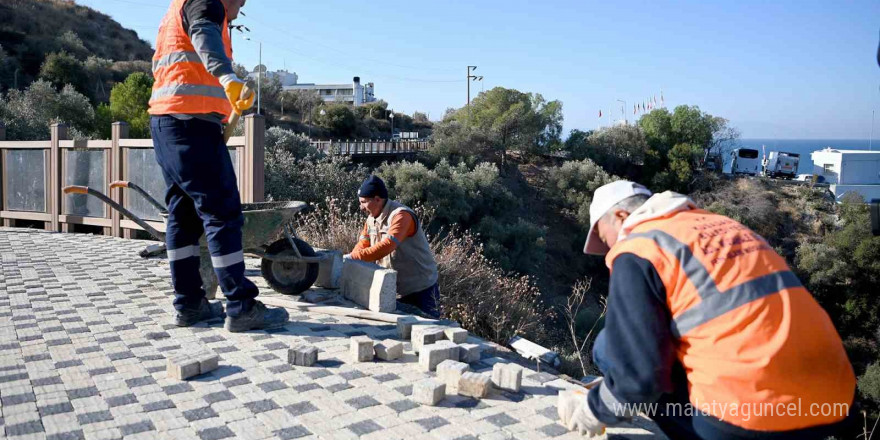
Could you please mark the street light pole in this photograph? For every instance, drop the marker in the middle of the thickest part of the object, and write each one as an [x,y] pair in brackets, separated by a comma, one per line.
[469,77]
[392,124]
[259,72]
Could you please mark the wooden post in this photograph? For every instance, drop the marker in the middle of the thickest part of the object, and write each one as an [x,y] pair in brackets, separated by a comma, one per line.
[119,130]
[59,133]
[254,162]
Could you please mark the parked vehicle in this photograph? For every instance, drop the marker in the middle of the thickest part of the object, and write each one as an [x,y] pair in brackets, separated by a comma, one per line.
[745,161]
[782,164]
[713,162]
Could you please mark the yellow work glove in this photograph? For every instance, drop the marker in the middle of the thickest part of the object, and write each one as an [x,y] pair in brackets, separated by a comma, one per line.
[575,413]
[233,90]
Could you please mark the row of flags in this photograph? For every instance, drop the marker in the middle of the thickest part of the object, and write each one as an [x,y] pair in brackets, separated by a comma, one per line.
[646,105]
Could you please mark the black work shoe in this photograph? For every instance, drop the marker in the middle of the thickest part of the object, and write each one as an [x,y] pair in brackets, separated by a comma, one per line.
[259,317]
[207,310]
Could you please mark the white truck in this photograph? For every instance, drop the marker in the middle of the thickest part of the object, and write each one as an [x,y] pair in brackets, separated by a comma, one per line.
[781,164]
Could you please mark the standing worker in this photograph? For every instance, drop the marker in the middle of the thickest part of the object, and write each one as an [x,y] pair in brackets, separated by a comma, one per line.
[708,322]
[393,238]
[195,91]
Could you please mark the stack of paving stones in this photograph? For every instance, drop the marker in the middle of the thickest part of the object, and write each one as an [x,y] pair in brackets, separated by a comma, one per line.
[86,333]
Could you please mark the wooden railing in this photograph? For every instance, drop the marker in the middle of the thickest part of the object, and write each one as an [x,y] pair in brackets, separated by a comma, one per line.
[369,147]
[33,172]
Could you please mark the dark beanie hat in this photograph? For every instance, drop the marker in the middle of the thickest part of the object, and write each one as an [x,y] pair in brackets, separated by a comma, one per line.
[373,187]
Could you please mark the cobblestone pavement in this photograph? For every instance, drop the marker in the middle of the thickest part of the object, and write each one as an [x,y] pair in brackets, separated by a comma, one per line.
[85,326]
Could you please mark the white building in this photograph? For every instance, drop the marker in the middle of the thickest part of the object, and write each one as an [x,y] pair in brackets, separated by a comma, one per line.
[286,78]
[849,170]
[355,93]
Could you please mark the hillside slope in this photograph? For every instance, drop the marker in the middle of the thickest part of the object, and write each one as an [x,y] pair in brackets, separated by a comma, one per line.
[31,29]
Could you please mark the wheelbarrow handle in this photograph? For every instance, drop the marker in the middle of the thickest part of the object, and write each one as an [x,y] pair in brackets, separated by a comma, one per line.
[246,92]
[78,189]
[141,191]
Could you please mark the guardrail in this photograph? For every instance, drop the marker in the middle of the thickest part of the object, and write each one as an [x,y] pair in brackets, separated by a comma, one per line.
[370,147]
[32,174]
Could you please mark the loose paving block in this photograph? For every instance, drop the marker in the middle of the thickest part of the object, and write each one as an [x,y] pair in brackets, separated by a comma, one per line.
[428,392]
[507,377]
[424,335]
[182,366]
[405,325]
[457,335]
[474,385]
[454,350]
[369,285]
[302,355]
[361,349]
[388,350]
[431,355]
[469,353]
[450,371]
[329,269]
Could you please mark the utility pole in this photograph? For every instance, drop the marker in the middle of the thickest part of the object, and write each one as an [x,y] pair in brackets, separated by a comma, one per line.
[469,78]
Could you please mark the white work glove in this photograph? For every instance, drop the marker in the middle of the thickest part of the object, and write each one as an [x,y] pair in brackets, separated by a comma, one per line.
[575,413]
[346,257]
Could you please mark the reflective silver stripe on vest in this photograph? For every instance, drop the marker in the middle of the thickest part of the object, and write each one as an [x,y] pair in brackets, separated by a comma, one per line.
[733,298]
[175,57]
[714,303]
[183,252]
[227,260]
[188,90]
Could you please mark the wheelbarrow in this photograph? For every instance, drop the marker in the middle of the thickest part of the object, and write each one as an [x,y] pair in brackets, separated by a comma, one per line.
[289,264]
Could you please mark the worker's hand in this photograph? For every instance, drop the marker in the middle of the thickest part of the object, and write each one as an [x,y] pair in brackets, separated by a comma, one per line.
[233,87]
[575,413]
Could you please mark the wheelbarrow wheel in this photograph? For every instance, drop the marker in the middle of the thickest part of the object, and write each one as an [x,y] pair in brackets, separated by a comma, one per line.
[289,278]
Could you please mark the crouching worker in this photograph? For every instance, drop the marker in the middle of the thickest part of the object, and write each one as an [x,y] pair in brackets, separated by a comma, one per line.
[393,238]
[708,331]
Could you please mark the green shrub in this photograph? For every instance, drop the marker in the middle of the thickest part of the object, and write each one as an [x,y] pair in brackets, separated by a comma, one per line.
[572,185]
[29,113]
[869,383]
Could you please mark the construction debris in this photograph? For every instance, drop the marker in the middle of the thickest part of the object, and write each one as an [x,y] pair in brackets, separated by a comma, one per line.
[388,350]
[428,392]
[361,349]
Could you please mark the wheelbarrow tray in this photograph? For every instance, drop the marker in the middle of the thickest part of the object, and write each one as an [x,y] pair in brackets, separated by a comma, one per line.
[264,222]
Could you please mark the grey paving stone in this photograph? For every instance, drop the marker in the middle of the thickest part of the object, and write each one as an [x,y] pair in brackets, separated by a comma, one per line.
[236,382]
[54,380]
[216,433]
[317,374]
[274,385]
[140,381]
[13,377]
[306,387]
[362,402]
[298,409]
[31,427]
[38,357]
[553,430]
[549,412]
[364,427]
[261,406]
[292,433]
[219,396]
[177,388]
[82,393]
[94,417]
[200,414]
[432,422]
[68,364]
[352,375]
[157,406]
[337,387]
[403,405]
[72,435]
[126,399]
[100,371]
[265,357]
[386,377]
[57,408]
[501,420]
[278,369]
[136,428]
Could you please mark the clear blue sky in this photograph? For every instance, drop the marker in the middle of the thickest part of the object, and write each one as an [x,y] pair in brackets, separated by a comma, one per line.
[794,69]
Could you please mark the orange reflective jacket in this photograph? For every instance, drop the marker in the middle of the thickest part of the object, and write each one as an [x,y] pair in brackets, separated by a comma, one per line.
[182,83]
[753,341]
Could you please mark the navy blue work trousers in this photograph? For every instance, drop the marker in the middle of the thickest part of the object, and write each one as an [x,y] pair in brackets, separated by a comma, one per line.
[202,197]
[427,300]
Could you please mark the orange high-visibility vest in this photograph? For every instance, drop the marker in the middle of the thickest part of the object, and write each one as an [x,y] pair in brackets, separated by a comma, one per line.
[182,83]
[749,334]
